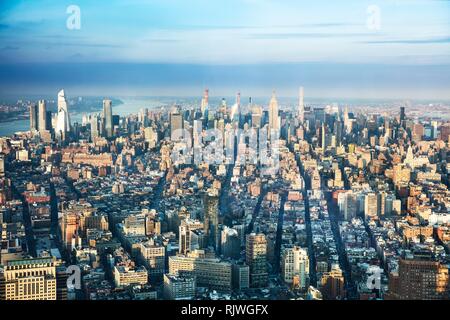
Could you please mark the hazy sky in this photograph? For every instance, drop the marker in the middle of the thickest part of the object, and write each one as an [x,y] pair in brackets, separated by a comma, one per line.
[354,48]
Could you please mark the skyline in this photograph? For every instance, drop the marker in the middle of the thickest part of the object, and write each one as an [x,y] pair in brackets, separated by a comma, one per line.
[388,49]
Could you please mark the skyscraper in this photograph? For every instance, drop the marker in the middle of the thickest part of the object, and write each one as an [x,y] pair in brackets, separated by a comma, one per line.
[332,284]
[63,118]
[230,243]
[42,121]
[295,267]
[33,118]
[211,215]
[273,114]
[2,165]
[176,125]
[256,259]
[94,127]
[205,102]
[108,118]
[301,105]
[402,114]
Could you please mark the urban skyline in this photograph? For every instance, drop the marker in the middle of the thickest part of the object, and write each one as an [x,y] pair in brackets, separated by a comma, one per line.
[206,152]
[235,201]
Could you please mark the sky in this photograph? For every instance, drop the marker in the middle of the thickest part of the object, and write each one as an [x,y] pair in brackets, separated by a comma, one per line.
[347,48]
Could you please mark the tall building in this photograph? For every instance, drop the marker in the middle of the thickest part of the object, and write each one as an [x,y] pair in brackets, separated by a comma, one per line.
[402,114]
[295,267]
[241,276]
[108,118]
[2,165]
[211,218]
[205,103]
[42,116]
[28,279]
[348,205]
[185,234]
[176,126]
[332,284]
[230,243]
[33,118]
[256,259]
[419,279]
[371,205]
[301,105]
[273,114]
[445,132]
[62,118]
[95,132]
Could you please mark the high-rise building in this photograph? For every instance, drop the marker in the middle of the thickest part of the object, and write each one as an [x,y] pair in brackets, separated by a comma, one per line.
[42,117]
[2,165]
[256,259]
[62,118]
[295,267]
[371,205]
[419,279]
[301,105]
[230,243]
[445,132]
[332,284]
[205,103]
[274,123]
[108,118]
[241,276]
[151,136]
[348,205]
[402,114]
[176,126]
[29,279]
[211,218]
[33,118]
[185,234]
[95,132]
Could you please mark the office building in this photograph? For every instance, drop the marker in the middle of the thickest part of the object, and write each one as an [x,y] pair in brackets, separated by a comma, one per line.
[33,118]
[179,286]
[256,259]
[295,267]
[211,218]
[210,272]
[29,279]
[108,118]
[419,279]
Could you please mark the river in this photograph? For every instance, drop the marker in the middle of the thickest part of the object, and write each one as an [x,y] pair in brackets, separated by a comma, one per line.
[128,106]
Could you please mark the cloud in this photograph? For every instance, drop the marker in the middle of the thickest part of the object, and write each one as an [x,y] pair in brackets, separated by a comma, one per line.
[288,35]
[410,41]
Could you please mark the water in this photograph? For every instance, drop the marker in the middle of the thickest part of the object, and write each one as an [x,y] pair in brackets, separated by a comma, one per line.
[129,106]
